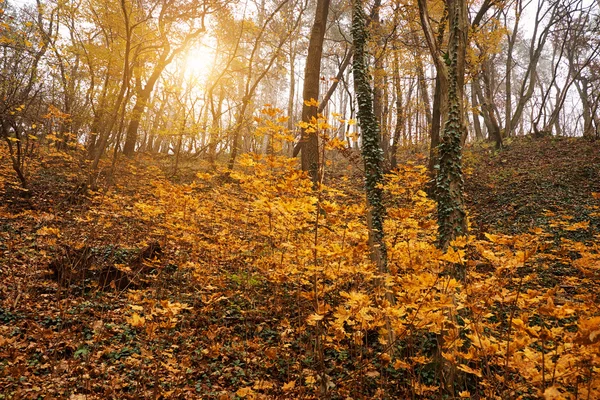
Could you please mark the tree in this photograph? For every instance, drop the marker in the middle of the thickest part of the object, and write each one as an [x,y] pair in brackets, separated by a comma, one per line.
[129,25]
[251,81]
[371,141]
[21,89]
[312,75]
[449,184]
[451,67]
[549,10]
[170,41]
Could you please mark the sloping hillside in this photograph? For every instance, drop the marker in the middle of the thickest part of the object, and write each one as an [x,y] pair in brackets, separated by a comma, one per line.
[521,186]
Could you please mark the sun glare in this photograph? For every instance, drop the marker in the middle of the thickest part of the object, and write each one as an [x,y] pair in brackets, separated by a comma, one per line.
[199,61]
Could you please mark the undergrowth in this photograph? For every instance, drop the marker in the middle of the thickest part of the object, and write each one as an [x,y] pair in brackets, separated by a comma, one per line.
[265,289]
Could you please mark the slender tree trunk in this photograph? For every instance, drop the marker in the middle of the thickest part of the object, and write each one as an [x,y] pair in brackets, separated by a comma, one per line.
[399,114]
[105,136]
[424,93]
[252,85]
[290,122]
[487,110]
[312,74]
[440,92]
[134,122]
[476,111]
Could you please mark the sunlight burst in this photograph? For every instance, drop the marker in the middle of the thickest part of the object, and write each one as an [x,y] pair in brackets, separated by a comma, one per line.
[199,61]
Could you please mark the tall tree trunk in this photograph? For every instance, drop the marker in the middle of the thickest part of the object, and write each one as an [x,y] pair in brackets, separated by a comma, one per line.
[371,148]
[120,101]
[250,85]
[476,111]
[487,110]
[292,55]
[536,47]
[312,73]
[134,123]
[451,208]
[512,38]
[440,107]
[141,102]
[424,93]
[440,99]
[379,75]
[399,114]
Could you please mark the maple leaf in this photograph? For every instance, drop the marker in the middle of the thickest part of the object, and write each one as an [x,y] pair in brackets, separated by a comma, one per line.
[311,103]
[289,386]
[313,318]
[453,256]
[136,320]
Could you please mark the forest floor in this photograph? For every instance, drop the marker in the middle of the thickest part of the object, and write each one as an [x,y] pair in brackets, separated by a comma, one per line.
[515,190]
[181,287]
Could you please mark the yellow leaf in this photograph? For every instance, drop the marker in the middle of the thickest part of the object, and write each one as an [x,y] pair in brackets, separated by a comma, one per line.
[45,231]
[464,394]
[204,176]
[469,370]
[491,238]
[262,385]
[243,392]
[289,386]
[398,364]
[589,331]
[311,103]
[578,225]
[421,388]
[313,318]
[455,257]
[136,320]
[310,380]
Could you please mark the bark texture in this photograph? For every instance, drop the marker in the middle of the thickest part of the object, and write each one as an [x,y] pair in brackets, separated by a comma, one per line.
[312,74]
[371,146]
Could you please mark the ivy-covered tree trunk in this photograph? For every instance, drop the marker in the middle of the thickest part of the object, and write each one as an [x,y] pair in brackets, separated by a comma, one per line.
[451,208]
[371,147]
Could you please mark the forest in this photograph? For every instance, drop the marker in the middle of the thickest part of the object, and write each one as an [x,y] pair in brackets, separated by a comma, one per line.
[300,199]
